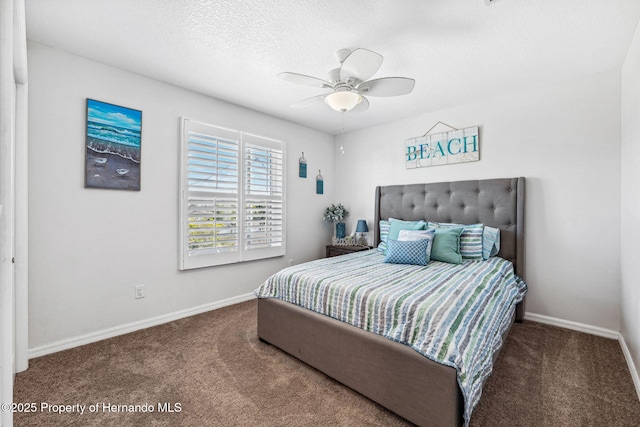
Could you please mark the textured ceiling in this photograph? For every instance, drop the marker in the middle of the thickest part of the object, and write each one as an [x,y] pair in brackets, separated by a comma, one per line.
[458,51]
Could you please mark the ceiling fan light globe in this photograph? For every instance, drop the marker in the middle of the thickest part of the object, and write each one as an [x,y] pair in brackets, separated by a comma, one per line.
[343,101]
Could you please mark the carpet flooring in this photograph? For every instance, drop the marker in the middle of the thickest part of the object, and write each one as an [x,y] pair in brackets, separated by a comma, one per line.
[211,370]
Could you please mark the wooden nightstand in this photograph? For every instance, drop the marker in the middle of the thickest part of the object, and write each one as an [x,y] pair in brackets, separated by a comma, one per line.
[333,250]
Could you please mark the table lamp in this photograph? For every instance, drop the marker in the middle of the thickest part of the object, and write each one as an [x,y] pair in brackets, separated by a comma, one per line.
[362,229]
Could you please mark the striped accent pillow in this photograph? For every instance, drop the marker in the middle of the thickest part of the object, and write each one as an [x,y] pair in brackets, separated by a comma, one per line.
[384,233]
[490,242]
[470,239]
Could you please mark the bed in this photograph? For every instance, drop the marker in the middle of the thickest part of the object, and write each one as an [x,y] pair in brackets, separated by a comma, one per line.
[389,372]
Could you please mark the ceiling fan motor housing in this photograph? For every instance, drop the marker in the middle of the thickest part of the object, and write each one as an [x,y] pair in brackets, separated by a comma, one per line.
[333,76]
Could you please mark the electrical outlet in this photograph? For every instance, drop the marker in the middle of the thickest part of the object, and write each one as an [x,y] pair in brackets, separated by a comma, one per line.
[290,262]
[139,291]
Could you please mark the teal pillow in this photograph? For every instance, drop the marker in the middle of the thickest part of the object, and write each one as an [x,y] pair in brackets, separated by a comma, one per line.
[446,245]
[412,252]
[470,239]
[397,225]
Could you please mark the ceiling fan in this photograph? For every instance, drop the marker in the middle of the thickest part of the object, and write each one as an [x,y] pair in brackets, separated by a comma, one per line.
[350,82]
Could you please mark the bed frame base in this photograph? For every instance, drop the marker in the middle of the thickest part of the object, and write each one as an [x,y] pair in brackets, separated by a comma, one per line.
[391,374]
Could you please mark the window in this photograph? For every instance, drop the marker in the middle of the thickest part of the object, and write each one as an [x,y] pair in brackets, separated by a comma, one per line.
[232,196]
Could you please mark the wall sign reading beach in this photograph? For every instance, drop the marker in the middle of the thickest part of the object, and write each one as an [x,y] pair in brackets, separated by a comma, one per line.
[113,145]
[456,146]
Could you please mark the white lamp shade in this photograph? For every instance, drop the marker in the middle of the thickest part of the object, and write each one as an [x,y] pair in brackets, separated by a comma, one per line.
[343,101]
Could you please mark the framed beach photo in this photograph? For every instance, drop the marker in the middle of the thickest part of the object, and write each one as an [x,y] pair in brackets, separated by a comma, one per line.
[113,146]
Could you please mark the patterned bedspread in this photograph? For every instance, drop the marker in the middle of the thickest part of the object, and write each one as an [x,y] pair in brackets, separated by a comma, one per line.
[452,314]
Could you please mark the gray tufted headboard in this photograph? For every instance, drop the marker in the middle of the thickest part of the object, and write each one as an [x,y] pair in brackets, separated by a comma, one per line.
[493,202]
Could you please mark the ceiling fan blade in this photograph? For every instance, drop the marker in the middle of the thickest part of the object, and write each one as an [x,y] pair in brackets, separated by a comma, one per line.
[305,80]
[309,101]
[387,86]
[361,64]
[362,106]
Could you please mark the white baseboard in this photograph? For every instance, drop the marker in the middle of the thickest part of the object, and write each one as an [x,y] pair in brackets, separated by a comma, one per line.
[594,330]
[630,363]
[132,327]
[575,326]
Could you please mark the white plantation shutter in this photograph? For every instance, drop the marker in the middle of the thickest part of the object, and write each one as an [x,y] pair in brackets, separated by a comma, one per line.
[263,197]
[232,201]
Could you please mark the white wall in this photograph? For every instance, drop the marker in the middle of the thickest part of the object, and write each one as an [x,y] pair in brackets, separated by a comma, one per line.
[565,139]
[630,215]
[90,247]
